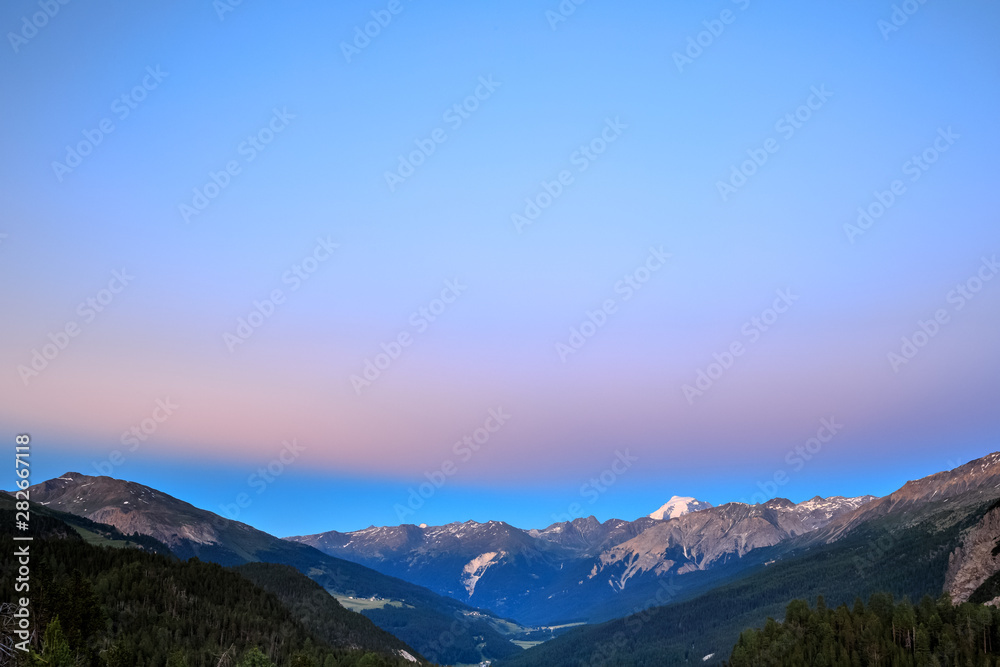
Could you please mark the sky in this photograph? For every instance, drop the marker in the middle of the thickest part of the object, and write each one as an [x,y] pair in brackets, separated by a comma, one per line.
[324,267]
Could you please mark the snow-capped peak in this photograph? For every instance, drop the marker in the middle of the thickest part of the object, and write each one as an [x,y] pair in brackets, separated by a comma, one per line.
[678,506]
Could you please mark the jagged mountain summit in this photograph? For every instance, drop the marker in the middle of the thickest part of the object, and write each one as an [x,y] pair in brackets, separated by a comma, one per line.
[679,506]
[698,540]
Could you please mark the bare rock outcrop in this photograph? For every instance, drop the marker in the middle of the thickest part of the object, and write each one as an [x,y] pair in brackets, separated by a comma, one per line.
[972,563]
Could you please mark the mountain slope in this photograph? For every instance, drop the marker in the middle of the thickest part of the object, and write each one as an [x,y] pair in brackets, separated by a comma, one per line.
[419,620]
[92,532]
[319,612]
[974,482]
[144,606]
[881,555]
[906,543]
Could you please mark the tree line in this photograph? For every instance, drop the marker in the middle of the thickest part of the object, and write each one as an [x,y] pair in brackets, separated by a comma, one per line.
[932,633]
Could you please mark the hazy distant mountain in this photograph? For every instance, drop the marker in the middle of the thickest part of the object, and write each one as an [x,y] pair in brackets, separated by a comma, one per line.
[188,531]
[574,569]
[678,506]
[588,537]
[484,564]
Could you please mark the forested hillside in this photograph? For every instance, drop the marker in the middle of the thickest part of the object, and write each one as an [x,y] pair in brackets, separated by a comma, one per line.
[882,555]
[881,633]
[124,607]
[318,611]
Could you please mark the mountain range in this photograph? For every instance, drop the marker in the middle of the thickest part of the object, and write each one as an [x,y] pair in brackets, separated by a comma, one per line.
[578,570]
[681,585]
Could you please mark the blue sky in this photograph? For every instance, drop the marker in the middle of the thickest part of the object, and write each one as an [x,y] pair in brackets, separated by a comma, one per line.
[642,127]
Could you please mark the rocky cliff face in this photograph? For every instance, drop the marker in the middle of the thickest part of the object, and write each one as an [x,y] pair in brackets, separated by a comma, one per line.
[698,540]
[976,559]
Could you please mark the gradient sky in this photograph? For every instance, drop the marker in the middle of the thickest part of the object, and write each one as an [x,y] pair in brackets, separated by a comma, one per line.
[892,93]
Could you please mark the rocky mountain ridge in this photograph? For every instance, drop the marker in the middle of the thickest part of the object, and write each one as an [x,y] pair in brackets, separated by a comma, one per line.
[575,564]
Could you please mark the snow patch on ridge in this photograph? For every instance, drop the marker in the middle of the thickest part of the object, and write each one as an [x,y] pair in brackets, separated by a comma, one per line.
[476,568]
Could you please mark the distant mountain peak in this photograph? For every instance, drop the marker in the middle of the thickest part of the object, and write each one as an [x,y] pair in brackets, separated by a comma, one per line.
[679,506]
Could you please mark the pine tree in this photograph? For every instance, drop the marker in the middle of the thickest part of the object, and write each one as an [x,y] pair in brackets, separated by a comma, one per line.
[254,658]
[56,651]
[372,660]
[119,656]
[883,633]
